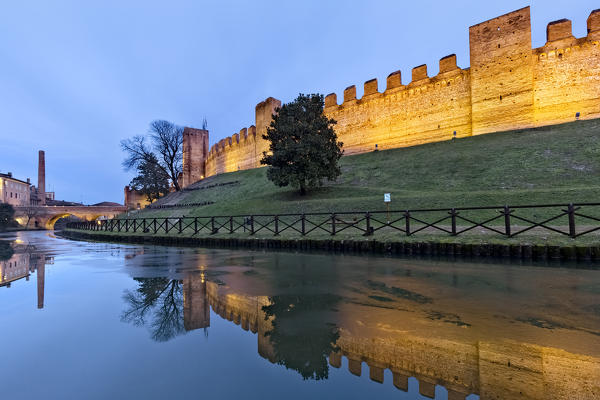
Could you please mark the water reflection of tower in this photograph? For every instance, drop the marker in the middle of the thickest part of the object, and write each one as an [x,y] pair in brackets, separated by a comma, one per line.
[41,278]
[21,265]
[196,313]
[38,263]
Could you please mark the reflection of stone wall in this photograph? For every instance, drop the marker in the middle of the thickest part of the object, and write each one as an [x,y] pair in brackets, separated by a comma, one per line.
[509,85]
[245,311]
[196,311]
[492,369]
[503,370]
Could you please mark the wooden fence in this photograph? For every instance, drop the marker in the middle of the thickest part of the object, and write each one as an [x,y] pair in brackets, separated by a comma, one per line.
[571,220]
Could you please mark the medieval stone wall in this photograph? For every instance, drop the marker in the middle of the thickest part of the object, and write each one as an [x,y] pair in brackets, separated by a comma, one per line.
[566,76]
[508,86]
[426,110]
[234,153]
[134,200]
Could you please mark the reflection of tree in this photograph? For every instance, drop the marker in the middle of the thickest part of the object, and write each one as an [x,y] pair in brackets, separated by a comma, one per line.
[301,338]
[158,301]
[6,251]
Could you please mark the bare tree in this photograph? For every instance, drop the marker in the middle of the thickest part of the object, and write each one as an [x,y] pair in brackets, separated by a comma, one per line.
[31,212]
[164,144]
[158,303]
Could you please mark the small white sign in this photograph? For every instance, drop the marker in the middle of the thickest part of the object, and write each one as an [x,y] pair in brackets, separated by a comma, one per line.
[387,197]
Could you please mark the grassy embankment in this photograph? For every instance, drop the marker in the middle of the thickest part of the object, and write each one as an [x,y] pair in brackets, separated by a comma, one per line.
[555,164]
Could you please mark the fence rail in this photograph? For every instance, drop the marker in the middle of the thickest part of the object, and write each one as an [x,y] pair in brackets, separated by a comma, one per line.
[571,220]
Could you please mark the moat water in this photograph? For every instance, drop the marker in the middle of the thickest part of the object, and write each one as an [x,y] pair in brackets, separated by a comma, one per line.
[83,320]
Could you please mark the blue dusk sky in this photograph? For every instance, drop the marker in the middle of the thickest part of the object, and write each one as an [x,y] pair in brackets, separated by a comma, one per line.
[77,77]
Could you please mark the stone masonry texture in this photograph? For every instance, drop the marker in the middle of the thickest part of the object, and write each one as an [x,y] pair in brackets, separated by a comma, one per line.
[508,86]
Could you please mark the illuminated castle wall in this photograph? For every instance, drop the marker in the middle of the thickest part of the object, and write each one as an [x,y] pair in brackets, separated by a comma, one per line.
[508,86]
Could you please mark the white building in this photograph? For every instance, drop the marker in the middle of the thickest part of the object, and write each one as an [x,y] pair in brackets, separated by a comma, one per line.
[14,191]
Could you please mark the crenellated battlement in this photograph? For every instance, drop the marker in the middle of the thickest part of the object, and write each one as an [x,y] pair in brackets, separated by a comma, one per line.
[371,87]
[593,25]
[394,81]
[420,83]
[557,30]
[350,94]
[419,74]
[509,85]
[233,153]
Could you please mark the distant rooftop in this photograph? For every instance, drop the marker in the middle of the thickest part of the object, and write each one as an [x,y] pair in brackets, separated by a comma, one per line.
[62,203]
[9,176]
[108,204]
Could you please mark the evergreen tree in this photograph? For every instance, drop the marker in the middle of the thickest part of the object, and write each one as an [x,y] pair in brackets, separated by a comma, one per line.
[152,180]
[303,145]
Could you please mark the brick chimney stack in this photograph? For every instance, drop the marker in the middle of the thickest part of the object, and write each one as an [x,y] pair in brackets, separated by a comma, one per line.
[42,178]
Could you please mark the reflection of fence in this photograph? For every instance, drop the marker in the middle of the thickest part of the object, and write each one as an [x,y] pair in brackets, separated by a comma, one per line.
[572,220]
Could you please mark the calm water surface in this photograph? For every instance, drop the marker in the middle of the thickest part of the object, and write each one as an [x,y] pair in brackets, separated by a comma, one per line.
[107,321]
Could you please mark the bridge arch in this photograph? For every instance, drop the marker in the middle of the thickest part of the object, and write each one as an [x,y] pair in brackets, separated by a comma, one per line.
[49,223]
[46,216]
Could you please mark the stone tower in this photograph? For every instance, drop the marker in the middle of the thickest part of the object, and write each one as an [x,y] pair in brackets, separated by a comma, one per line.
[195,152]
[502,73]
[41,178]
[264,114]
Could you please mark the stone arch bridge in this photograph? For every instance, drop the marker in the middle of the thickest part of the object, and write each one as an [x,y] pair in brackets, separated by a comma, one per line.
[46,216]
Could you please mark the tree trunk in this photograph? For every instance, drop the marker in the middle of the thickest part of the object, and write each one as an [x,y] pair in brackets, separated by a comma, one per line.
[302,189]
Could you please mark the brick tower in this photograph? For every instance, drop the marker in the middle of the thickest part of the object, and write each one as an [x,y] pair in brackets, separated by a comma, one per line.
[41,178]
[195,151]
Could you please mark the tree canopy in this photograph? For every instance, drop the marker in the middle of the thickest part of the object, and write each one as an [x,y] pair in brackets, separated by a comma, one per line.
[301,334]
[7,214]
[165,142]
[151,181]
[157,302]
[304,149]
[6,250]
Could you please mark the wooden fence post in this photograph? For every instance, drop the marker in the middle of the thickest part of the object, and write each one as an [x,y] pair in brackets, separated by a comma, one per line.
[571,211]
[506,213]
[332,224]
[453,218]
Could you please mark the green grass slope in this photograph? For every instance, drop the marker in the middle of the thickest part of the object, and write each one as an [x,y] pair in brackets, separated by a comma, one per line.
[554,164]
